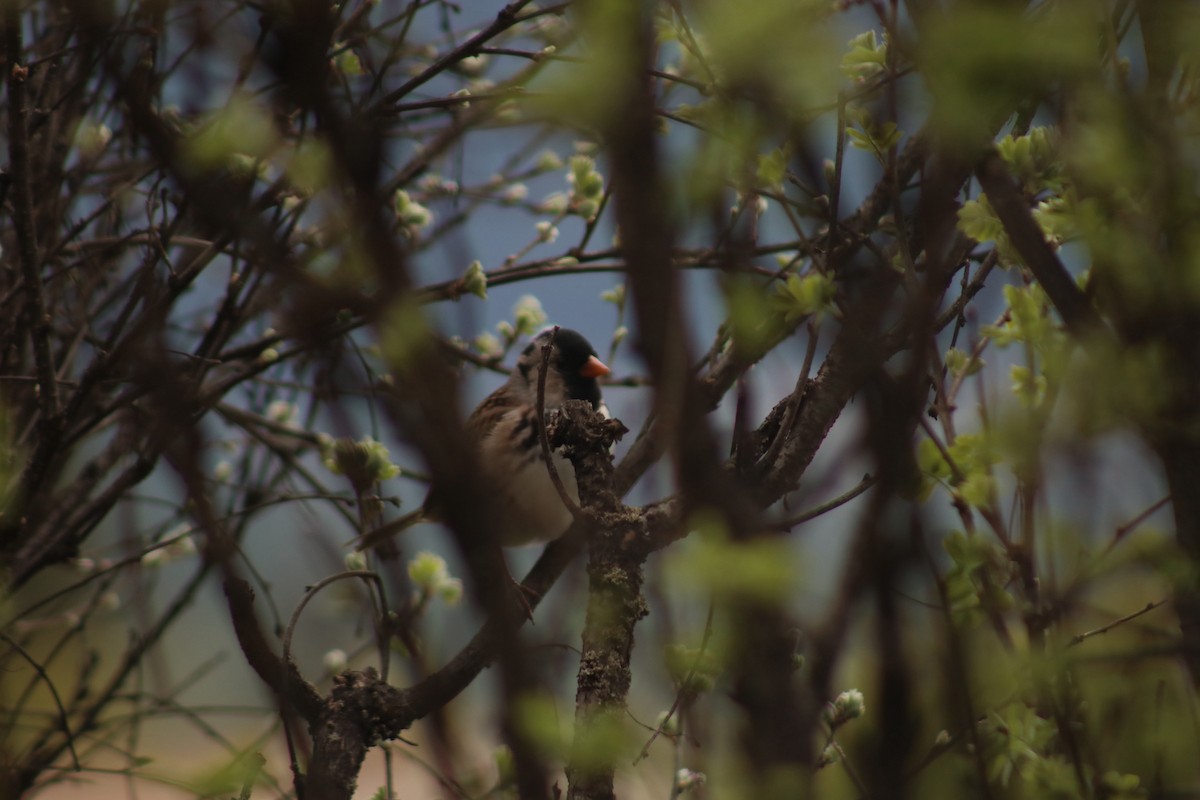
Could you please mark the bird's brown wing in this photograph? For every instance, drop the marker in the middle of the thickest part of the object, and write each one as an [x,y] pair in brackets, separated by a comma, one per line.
[489,412]
[480,424]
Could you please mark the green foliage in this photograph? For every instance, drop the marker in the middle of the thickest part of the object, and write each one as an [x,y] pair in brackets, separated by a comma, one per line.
[92,138]
[310,168]
[799,67]
[1029,322]
[877,138]
[243,128]
[584,93]
[605,738]
[933,466]
[1015,737]
[966,467]
[730,155]
[799,296]
[615,295]
[772,168]
[1056,216]
[548,161]
[760,569]
[1116,385]
[977,220]
[1029,387]
[429,574]
[977,577]
[753,322]
[488,345]
[1034,160]
[1122,787]
[866,57]
[692,670]
[411,214]
[586,187]
[687,780]
[1023,754]
[973,454]
[1058,219]
[347,61]
[224,780]
[404,334]
[528,319]
[962,364]
[364,463]
[505,767]
[474,280]
[538,718]
[980,60]
[747,95]
[1103,151]
[528,316]
[848,705]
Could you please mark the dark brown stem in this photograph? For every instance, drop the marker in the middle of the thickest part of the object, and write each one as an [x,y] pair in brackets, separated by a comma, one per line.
[1035,251]
[27,253]
[618,546]
[504,20]
[615,604]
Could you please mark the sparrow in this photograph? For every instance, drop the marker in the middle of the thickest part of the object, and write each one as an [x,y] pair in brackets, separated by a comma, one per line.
[504,428]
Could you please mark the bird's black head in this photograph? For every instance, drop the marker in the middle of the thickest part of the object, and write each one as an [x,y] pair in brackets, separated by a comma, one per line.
[573,358]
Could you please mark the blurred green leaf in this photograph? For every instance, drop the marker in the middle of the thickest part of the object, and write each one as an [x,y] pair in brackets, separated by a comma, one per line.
[772,169]
[760,569]
[241,128]
[800,296]
[981,60]
[538,718]
[977,220]
[877,139]
[753,318]
[1034,159]
[799,66]
[347,61]
[962,364]
[310,168]
[865,57]
[683,661]
[975,582]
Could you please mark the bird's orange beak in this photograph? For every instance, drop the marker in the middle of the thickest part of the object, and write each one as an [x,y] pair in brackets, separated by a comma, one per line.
[594,368]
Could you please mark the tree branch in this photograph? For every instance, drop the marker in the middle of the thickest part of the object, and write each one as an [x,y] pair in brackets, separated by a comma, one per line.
[49,424]
[1035,251]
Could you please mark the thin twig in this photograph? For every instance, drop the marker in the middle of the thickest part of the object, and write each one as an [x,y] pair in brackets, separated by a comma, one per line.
[1080,637]
[365,574]
[866,483]
[1122,530]
[683,687]
[256,764]
[504,20]
[22,204]
[62,711]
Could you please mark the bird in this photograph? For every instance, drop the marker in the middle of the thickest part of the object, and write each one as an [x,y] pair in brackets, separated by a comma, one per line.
[504,429]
